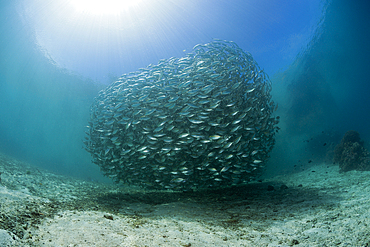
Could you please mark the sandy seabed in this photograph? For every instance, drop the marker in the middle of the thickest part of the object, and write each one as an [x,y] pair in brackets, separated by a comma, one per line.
[315,207]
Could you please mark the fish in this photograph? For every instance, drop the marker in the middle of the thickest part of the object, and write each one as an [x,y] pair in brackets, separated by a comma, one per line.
[204,120]
[178,180]
[214,137]
[225,168]
[195,121]
[184,135]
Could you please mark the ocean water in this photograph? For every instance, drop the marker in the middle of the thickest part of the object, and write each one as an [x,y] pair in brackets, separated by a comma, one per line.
[55,57]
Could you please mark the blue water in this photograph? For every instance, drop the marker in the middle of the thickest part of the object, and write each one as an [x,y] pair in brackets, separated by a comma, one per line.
[54,60]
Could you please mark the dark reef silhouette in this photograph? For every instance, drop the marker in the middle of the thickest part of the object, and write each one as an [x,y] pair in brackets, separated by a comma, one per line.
[351,154]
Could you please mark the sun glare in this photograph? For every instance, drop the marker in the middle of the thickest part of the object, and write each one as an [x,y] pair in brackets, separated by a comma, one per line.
[103,7]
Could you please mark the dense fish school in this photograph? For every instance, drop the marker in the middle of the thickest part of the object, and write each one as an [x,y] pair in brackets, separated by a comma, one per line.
[200,121]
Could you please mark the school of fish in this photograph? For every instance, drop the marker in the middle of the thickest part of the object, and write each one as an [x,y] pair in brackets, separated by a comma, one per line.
[201,121]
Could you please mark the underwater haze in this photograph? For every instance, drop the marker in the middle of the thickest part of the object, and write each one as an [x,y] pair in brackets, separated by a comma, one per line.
[55,57]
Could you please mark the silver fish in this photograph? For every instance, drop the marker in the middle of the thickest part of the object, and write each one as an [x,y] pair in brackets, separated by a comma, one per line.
[201,121]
